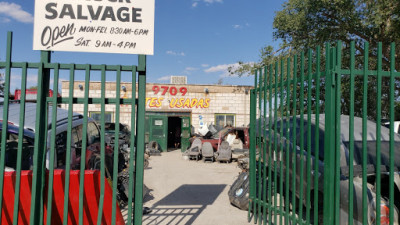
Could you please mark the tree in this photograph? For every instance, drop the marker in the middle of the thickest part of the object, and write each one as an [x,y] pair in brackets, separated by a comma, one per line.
[267,56]
[307,23]
[303,24]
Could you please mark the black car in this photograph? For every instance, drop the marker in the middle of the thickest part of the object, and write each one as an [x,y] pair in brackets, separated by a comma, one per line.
[301,155]
[92,150]
[12,147]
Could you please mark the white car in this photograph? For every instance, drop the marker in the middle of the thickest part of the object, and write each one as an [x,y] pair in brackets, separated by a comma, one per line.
[396,126]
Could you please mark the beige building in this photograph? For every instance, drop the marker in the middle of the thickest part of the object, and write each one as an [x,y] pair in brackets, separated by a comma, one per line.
[220,105]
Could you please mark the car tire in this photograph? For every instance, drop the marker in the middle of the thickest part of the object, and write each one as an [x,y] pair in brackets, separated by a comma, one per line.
[153,145]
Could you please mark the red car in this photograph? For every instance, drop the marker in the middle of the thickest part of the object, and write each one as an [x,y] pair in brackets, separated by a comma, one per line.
[216,139]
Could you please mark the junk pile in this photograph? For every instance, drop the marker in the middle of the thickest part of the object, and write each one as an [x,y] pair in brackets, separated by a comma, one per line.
[206,131]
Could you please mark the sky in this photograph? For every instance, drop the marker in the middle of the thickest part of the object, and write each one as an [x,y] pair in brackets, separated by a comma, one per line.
[194,38]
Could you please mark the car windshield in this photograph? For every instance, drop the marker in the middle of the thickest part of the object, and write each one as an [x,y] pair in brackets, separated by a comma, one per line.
[12,150]
[93,133]
[222,132]
[110,128]
[371,153]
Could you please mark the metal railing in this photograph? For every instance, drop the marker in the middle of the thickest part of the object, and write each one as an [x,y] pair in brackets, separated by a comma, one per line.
[44,204]
[319,152]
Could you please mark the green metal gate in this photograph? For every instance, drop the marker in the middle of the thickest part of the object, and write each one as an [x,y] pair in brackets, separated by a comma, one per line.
[315,158]
[43,197]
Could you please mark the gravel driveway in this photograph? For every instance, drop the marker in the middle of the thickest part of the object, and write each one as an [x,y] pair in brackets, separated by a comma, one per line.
[190,192]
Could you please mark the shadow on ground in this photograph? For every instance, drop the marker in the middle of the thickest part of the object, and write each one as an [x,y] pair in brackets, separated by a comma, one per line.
[184,205]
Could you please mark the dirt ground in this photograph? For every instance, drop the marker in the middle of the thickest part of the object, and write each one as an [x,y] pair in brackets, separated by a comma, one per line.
[190,192]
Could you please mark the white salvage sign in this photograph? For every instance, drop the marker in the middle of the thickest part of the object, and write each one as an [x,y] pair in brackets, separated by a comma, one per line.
[109,26]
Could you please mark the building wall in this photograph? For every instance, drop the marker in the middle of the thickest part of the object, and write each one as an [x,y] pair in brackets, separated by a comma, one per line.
[200,100]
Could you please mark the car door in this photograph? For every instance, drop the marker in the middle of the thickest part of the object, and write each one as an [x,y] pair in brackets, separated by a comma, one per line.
[185,129]
[61,148]
[159,131]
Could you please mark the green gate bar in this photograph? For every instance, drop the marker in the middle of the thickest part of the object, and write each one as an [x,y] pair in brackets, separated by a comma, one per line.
[301,132]
[269,146]
[264,149]
[337,62]
[69,138]
[308,166]
[378,134]
[281,106]
[139,157]
[7,66]
[252,159]
[261,164]
[20,141]
[391,127]
[116,144]
[287,155]
[275,149]
[295,69]
[351,131]
[38,177]
[329,153]
[316,144]
[364,133]
[84,143]
[132,149]
[102,138]
[52,143]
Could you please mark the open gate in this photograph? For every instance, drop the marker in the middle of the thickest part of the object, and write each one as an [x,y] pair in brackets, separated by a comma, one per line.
[319,153]
[73,195]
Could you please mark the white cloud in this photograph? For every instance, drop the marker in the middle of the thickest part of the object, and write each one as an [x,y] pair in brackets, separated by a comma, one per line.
[213,1]
[188,70]
[205,65]
[4,20]
[164,78]
[240,26]
[191,69]
[175,53]
[207,2]
[15,12]
[221,69]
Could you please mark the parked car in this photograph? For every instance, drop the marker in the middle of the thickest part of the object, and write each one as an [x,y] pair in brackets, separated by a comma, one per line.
[12,148]
[92,149]
[344,164]
[396,125]
[93,134]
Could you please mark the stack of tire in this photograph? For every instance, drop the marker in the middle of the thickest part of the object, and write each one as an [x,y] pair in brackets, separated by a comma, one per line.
[152,149]
[243,163]
[239,191]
